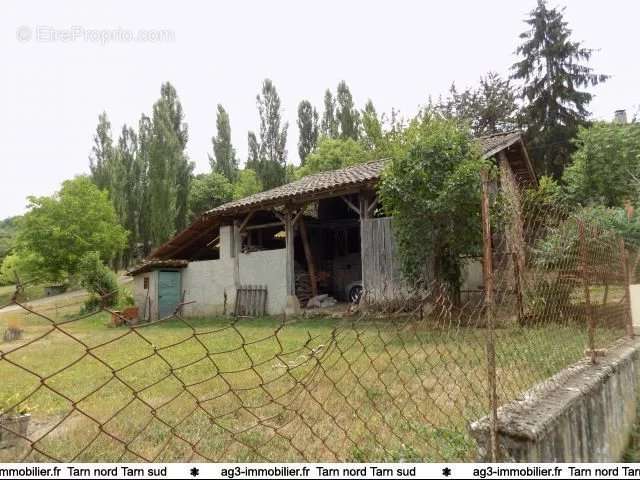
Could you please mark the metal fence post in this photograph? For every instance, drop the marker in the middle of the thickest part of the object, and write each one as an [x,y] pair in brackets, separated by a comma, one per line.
[487,270]
[584,268]
[624,259]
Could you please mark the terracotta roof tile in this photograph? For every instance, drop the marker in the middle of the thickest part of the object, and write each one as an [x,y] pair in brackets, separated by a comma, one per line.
[152,264]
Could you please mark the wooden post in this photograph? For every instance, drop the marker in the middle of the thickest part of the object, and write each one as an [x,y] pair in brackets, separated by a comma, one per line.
[584,267]
[289,238]
[235,251]
[313,281]
[487,270]
[365,214]
[624,260]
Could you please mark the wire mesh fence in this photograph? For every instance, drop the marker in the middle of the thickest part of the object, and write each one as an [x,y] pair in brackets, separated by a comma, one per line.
[395,381]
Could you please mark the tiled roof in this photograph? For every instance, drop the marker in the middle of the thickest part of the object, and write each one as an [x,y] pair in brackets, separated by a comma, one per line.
[492,144]
[343,178]
[148,265]
[319,182]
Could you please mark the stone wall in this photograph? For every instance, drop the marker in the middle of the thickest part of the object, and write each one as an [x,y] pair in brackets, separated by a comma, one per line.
[583,414]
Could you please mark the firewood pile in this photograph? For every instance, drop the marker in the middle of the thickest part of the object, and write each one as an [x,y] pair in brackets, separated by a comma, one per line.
[303,284]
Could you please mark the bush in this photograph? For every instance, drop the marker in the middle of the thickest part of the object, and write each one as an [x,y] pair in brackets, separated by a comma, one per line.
[99,281]
[125,298]
[550,301]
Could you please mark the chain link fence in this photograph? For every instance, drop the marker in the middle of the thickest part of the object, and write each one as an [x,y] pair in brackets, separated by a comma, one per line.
[396,381]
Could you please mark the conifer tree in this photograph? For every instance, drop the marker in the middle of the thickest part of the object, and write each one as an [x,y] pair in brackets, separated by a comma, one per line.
[555,76]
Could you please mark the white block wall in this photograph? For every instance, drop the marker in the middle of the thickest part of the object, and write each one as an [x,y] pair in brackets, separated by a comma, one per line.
[205,283]
[267,268]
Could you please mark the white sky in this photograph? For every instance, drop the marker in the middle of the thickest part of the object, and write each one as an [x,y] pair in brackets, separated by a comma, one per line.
[396,53]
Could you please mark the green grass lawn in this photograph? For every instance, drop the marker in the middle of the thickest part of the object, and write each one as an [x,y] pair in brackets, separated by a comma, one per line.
[318,389]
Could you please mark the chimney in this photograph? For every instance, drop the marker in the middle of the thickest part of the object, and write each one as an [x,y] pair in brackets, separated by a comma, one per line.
[620,116]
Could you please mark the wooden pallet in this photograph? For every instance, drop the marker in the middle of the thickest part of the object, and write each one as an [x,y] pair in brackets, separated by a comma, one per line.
[251,301]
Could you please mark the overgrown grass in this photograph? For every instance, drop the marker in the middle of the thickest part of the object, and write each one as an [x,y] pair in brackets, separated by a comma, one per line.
[31,292]
[260,389]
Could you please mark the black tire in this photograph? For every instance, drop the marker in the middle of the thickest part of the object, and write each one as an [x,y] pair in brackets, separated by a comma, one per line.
[355,293]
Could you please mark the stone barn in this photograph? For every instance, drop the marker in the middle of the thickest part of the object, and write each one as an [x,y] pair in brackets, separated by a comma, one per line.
[272,251]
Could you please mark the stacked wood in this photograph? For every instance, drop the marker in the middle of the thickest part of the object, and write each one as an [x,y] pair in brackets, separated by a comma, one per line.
[303,284]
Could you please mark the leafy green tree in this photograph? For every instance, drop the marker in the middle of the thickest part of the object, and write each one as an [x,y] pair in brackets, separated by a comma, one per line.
[80,218]
[273,138]
[100,160]
[329,125]
[170,171]
[224,159]
[247,184]
[432,189]
[605,167]
[9,267]
[555,74]
[208,191]
[308,126]
[7,236]
[489,108]
[332,154]
[373,135]
[347,115]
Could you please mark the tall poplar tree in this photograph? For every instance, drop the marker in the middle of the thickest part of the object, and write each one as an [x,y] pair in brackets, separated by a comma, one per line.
[329,124]
[371,127]
[101,158]
[308,126]
[347,115]
[142,190]
[271,168]
[224,159]
[253,155]
[170,171]
[555,74]
[124,186]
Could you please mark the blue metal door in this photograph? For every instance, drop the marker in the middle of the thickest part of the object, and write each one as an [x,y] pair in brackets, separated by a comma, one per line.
[168,292]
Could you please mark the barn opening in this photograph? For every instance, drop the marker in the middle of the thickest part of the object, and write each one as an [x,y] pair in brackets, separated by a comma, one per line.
[333,246]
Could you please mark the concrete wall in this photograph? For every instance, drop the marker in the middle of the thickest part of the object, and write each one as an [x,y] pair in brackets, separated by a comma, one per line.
[205,283]
[583,414]
[267,268]
[210,284]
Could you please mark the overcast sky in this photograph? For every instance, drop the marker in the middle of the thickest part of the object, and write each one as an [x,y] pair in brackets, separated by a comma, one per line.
[59,75]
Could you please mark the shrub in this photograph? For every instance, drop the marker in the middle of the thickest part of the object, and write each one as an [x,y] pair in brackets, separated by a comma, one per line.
[99,281]
[125,298]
